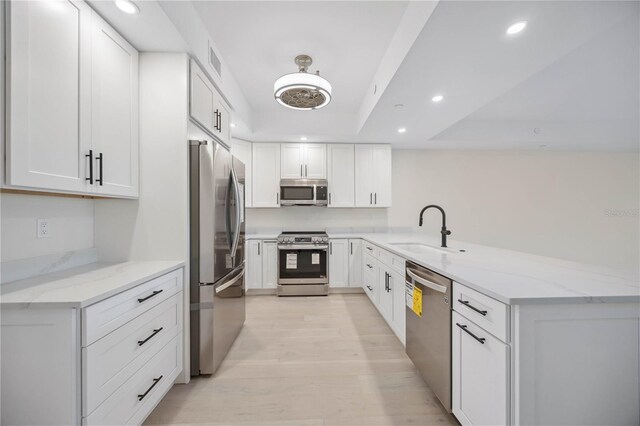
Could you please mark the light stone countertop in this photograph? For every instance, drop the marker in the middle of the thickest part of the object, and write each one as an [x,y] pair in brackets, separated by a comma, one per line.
[509,276]
[81,286]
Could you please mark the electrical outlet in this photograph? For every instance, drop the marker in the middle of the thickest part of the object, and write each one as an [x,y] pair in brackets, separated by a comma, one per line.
[43,230]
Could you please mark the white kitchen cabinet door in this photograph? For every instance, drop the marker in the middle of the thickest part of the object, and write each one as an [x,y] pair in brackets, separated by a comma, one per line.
[397,284]
[223,130]
[270,264]
[364,176]
[385,303]
[355,263]
[341,175]
[254,264]
[292,161]
[49,95]
[114,98]
[266,175]
[339,262]
[315,161]
[203,100]
[382,176]
[479,375]
[242,151]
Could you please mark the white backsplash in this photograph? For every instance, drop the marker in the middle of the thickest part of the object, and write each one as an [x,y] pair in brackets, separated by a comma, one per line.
[316,219]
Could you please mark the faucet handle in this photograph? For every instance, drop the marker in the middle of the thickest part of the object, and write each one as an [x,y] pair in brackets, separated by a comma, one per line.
[445,231]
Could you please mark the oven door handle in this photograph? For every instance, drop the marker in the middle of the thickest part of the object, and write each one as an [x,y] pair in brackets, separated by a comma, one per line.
[302,247]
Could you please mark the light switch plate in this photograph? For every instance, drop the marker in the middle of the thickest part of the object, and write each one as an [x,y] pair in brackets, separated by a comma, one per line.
[43,230]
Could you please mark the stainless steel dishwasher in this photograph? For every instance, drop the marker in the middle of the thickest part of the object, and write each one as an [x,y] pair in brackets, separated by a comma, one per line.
[429,334]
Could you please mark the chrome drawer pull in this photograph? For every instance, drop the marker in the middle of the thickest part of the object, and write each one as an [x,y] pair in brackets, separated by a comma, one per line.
[155,293]
[466,303]
[369,266]
[369,287]
[155,382]
[156,331]
[464,328]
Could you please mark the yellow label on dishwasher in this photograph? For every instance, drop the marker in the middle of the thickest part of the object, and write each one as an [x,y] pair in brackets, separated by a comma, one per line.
[417,301]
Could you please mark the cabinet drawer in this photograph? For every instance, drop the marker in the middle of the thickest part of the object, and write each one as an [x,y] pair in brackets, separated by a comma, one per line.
[385,257]
[135,399]
[398,264]
[370,249]
[104,317]
[369,264]
[484,311]
[110,361]
[370,284]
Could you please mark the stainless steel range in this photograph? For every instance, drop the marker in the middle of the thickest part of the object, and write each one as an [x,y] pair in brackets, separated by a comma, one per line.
[303,264]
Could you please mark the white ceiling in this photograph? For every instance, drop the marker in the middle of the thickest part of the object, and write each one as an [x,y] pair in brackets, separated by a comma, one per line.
[554,76]
[259,40]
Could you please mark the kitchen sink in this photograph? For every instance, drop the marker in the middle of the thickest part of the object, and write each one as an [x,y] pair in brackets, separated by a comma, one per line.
[423,248]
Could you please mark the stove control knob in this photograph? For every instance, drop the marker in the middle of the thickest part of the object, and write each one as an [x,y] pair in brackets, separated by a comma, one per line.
[325,239]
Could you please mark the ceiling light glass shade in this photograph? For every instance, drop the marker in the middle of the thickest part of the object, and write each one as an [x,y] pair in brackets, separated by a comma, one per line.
[302,91]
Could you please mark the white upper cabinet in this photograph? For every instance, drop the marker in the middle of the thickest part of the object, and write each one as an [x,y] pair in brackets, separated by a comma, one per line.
[207,107]
[303,161]
[266,175]
[315,161]
[49,95]
[341,175]
[292,161]
[73,95]
[114,96]
[373,175]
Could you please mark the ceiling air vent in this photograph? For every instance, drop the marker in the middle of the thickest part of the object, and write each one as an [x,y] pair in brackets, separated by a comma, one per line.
[214,61]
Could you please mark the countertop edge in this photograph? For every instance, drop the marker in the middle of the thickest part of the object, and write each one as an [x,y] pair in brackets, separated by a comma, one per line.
[98,298]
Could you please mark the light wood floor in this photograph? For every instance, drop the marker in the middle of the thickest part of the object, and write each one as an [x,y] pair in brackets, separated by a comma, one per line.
[316,361]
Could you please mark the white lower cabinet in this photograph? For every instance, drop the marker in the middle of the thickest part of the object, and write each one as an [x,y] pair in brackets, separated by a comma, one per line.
[355,263]
[480,364]
[262,264]
[254,264]
[339,262]
[270,265]
[105,364]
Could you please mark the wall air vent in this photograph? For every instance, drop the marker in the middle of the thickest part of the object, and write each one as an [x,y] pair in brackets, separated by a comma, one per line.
[214,61]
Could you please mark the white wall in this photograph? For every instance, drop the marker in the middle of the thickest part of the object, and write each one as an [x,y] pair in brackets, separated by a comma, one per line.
[559,204]
[314,218]
[70,226]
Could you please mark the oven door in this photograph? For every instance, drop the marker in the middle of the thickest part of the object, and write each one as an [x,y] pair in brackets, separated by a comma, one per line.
[300,264]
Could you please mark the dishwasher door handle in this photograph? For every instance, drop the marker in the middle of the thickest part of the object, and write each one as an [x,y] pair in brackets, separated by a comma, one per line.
[426,283]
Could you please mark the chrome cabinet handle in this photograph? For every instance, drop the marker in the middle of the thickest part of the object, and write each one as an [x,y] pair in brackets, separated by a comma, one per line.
[351,248]
[306,171]
[371,198]
[330,248]
[329,198]
[369,266]
[277,198]
[155,382]
[375,198]
[369,248]
[156,331]
[258,249]
[155,293]
[468,305]
[90,156]
[301,174]
[464,328]
[369,287]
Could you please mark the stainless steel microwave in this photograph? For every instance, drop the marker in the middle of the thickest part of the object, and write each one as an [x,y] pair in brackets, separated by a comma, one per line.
[303,192]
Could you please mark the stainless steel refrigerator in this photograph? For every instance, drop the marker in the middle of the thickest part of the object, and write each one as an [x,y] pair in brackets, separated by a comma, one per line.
[217,253]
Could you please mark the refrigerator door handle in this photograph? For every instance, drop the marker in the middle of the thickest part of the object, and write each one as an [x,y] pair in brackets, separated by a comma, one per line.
[230,283]
[236,188]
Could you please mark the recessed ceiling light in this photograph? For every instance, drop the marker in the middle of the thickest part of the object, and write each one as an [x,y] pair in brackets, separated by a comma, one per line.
[127,7]
[402,130]
[233,124]
[303,138]
[516,28]
[398,106]
[437,98]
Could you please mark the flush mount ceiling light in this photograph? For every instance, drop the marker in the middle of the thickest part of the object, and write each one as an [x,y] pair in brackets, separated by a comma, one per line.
[402,130]
[301,90]
[437,98]
[516,28]
[303,138]
[127,7]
